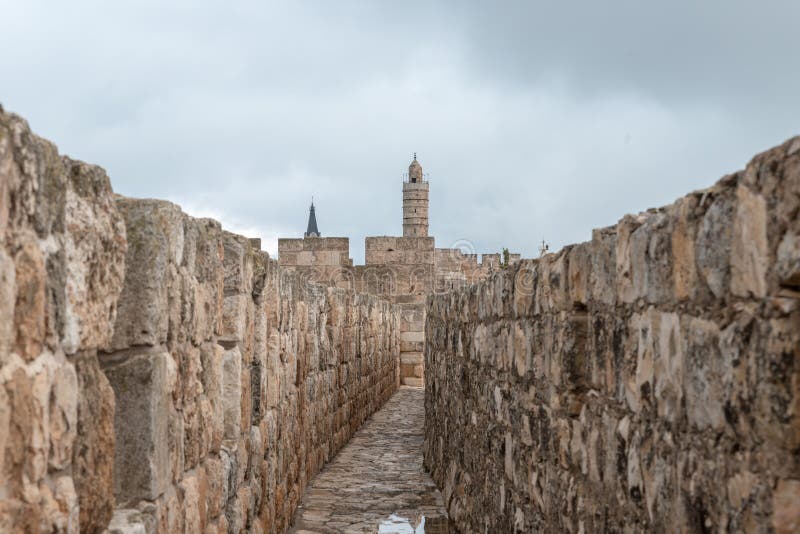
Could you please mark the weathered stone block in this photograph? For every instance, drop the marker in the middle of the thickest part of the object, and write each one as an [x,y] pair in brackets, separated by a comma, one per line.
[703,374]
[142,468]
[211,359]
[238,260]
[176,444]
[749,254]
[411,358]
[411,346]
[127,521]
[155,248]
[603,278]
[658,268]
[786,507]
[625,264]
[63,415]
[579,261]
[668,366]
[572,358]
[94,258]
[205,309]
[788,261]
[776,405]
[713,244]
[5,418]
[164,514]
[639,382]
[525,287]
[638,259]
[27,444]
[7,302]
[194,502]
[93,454]
[234,318]
[521,349]
[29,309]
[203,250]
[232,393]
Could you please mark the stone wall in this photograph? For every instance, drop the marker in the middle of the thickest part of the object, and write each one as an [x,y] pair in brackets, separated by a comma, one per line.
[160,369]
[456,269]
[239,380]
[62,250]
[398,269]
[314,251]
[319,260]
[648,380]
[402,269]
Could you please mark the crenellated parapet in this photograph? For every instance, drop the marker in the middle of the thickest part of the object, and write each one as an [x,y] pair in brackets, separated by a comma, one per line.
[404,269]
[157,373]
[644,381]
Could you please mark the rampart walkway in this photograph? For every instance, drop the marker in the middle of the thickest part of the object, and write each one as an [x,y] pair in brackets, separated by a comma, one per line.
[377,482]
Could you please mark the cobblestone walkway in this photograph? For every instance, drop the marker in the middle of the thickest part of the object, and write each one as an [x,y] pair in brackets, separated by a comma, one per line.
[377,483]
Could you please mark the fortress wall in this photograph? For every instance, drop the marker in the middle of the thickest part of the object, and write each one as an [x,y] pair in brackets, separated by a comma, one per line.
[62,252]
[333,244]
[399,269]
[254,378]
[318,260]
[153,362]
[455,270]
[314,251]
[402,268]
[647,380]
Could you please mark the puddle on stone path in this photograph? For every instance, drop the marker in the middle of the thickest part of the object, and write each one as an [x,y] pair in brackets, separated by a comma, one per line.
[396,524]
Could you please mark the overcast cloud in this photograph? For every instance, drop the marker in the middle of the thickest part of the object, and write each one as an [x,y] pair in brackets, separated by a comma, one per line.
[534,119]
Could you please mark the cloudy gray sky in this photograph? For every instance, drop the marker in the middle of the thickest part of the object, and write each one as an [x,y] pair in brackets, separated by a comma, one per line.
[534,119]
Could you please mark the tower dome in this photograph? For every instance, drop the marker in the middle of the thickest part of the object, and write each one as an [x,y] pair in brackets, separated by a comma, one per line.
[415,171]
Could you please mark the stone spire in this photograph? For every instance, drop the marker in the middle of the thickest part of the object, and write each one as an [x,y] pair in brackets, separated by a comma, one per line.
[312,230]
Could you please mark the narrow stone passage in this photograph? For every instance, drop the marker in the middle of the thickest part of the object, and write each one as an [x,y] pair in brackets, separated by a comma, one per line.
[377,483]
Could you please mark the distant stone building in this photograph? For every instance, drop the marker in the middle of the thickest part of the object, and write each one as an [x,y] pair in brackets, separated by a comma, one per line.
[404,270]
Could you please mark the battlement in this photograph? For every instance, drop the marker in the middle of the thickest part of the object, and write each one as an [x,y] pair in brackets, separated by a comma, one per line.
[318,251]
[455,269]
[387,250]
[403,269]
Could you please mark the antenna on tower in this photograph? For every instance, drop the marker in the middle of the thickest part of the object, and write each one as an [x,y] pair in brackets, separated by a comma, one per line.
[415,155]
[543,248]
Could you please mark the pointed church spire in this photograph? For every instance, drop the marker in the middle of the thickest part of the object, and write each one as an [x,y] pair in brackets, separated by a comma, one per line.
[312,230]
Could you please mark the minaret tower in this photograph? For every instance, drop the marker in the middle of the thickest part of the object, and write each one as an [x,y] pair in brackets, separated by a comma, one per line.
[415,202]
